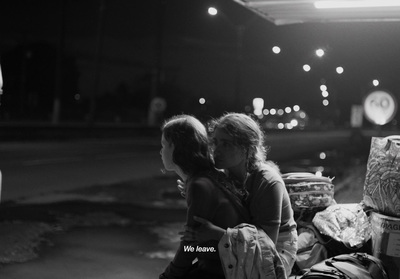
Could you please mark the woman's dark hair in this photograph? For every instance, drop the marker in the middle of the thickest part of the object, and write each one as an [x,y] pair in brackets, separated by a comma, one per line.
[190,140]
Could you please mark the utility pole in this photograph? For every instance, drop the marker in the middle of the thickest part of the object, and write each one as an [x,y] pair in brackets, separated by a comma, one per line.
[97,61]
[59,66]
[157,70]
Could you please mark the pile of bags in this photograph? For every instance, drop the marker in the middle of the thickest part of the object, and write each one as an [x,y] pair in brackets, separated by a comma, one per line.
[350,239]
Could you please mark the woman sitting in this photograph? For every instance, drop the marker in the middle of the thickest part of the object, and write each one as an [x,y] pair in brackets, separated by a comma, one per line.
[185,150]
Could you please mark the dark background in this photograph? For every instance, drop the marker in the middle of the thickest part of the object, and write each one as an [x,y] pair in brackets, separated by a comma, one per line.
[103,61]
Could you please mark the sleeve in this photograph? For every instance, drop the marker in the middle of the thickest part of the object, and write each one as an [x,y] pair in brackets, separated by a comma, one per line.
[198,196]
[267,205]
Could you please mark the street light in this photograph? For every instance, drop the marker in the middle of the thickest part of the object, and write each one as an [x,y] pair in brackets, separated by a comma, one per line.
[239,29]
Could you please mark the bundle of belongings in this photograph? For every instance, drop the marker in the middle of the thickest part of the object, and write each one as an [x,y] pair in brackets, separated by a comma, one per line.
[381,197]
[360,240]
[326,229]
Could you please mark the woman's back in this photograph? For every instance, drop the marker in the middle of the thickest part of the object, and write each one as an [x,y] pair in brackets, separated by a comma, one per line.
[208,199]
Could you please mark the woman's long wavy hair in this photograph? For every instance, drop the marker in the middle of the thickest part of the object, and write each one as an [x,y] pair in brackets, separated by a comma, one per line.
[191,144]
[247,134]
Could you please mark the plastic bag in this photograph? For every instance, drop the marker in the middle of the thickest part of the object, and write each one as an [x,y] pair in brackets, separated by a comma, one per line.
[346,223]
[382,180]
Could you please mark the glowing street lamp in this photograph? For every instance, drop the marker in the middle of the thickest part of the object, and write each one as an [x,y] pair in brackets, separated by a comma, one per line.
[306,68]
[212,11]
[320,52]
[339,70]
[276,49]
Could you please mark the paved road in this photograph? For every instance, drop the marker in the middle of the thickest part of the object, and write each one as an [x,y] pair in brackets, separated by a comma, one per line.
[34,168]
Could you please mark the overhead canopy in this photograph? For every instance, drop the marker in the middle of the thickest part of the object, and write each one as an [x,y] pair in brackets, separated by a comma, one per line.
[282,12]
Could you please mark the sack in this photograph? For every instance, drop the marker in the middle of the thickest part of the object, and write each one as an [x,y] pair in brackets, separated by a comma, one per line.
[308,191]
[348,266]
[314,247]
[311,249]
[382,180]
[346,223]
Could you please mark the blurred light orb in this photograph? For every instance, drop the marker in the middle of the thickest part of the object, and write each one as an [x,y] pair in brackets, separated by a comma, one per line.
[258,105]
[318,174]
[306,68]
[322,155]
[339,70]
[266,111]
[281,126]
[77,97]
[375,82]
[288,126]
[202,101]
[320,52]
[325,102]
[280,112]
[258,112]
[288,109]
[296,108]
[323,87]
[272,111]
[276,49]
[212,11]
[325,94]
[302,115]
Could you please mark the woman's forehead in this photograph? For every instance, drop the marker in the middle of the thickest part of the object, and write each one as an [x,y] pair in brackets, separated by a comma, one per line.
[163,140]
[222,134]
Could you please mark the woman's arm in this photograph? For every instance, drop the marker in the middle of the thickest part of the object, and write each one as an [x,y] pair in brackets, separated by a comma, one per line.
[205,232]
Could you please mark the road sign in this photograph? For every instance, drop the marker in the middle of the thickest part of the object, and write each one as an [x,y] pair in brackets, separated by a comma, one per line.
[380,107]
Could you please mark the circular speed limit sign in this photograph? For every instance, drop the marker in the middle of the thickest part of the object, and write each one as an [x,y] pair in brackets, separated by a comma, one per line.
[380,107]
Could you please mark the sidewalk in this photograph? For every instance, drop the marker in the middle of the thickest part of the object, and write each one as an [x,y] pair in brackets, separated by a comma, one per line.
[125,230]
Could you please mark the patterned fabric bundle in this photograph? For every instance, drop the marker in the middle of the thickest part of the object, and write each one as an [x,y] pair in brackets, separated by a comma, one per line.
[308,191]
[382,180]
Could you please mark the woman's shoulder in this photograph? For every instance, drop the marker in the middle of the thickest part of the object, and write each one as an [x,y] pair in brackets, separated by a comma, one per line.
[269,172]
[212,182]
[201,182]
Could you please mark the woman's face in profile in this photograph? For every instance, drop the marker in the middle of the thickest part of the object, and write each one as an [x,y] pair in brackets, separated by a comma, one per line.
[166,152]
[227,154]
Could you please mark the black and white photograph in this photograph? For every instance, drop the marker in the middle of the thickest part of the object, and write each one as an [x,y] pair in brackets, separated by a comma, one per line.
[148,139]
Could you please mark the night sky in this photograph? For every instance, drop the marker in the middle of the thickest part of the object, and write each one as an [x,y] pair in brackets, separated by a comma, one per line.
[197,55]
